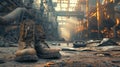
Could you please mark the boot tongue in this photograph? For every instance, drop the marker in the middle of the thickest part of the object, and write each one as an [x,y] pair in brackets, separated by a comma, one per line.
[28,46]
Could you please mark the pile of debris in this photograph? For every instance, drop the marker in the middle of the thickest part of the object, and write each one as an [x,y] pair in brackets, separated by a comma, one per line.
[103,42]
[108,42]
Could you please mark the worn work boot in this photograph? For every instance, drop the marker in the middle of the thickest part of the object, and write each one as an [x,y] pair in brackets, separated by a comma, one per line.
[25,53]
[47,52]
[42,48]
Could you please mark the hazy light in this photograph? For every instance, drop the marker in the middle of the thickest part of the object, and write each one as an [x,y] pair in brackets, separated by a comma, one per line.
[65,34]
[54,0]
[73,1]
[64,5]
[71,26]
[37,3]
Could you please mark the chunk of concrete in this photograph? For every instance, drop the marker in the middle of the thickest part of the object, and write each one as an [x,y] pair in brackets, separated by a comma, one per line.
[107,42]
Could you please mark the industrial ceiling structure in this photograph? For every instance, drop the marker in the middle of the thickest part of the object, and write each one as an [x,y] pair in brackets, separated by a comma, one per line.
[68,18]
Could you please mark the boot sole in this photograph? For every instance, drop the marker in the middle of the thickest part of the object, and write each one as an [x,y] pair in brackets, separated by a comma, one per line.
[50,56]
[26,58]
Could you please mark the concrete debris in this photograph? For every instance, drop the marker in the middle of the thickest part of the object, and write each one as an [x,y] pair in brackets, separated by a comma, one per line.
[114,49]
[54,43]
[107,42]
[92,49]
[93,41]
[69,49]
[103,54]
[103,42]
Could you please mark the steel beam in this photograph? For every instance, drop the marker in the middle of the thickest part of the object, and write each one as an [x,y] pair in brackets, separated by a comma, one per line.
[69,13]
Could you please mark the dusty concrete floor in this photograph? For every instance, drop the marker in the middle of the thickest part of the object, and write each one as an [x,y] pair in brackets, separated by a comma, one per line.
[80,57]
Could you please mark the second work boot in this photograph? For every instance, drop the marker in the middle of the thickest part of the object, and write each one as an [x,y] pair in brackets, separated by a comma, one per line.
[26,51]
[42,48]
[47,53]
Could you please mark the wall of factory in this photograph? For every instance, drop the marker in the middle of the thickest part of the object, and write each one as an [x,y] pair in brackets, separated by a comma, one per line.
[110,21]
[93,23]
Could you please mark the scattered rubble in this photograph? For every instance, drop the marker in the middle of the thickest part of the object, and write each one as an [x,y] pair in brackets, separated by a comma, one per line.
[93,41]
[79,58]
[107,42]
[103,54]
[69,49]
[72,63]
[103,42]
[54,43]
